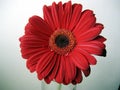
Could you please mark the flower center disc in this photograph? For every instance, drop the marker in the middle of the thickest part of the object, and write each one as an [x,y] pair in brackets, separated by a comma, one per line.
[62,41]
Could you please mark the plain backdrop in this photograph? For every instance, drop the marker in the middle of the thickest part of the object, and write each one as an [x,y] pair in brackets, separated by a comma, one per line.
[14,75]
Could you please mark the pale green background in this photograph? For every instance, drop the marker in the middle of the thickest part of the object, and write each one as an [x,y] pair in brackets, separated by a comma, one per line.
[13,72]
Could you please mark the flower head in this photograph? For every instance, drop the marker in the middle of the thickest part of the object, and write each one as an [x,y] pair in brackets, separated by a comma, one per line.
[61,46]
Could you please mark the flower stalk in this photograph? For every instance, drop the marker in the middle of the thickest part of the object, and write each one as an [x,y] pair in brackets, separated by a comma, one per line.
[59,87]
[74,87]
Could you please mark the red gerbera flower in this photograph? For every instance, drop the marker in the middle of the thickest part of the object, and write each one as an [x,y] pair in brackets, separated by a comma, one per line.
[61,46]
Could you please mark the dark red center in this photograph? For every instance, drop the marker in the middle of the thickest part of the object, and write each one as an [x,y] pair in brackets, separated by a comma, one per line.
[61,41]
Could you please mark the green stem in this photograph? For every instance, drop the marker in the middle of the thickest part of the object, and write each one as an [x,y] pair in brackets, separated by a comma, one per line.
[59,87]
[75,87]
[42,85]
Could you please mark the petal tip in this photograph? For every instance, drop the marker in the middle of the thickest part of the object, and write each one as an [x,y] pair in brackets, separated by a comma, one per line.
[104,53]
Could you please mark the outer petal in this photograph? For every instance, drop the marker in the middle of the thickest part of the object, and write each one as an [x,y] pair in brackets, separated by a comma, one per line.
[49,69]
[31,30]
[40,26]
[79,60]
[54,71]
[76,13]
[87,72]
[60,14]
[32,41]
[61,71]
[31,44]
[54,12]
[91,33]
[28,29]
[67,14]
[93,47]
[78,77]
[100,38]
[89,58]
[34,58]
[48,16]
[45,65]
[70,71]
[86,21]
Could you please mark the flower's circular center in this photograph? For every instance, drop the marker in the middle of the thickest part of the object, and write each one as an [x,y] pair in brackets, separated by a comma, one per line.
[62,41]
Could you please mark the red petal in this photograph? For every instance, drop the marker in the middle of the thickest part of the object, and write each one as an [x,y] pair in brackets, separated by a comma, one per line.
[78,77]
[54,71]
[54,11]
[86,21]
[91,33]
[31,44]
[32,62]
[32,41]
[48,17]
[47,80]
[104,53]
[28,52]
[40,26]
[93,47]
[79,60]
[49,69]
[31,30]
[67,14]
[34,58]
[70,72]
[45,65]
[100,38]
[60,14]
[87,72]
[89,58]
[28,29]
[61,71]
[76,9]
